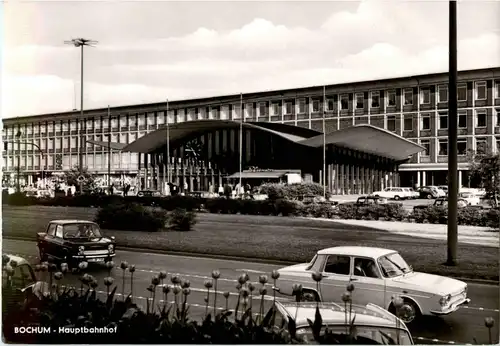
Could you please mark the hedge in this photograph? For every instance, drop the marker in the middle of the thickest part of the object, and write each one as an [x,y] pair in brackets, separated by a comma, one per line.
[471,216]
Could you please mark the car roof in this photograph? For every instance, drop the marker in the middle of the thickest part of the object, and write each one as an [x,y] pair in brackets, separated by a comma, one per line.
[65,222]
[367,251]
[331,314]
[18,259]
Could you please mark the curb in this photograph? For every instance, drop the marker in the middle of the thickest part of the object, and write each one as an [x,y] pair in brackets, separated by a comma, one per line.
[239,258]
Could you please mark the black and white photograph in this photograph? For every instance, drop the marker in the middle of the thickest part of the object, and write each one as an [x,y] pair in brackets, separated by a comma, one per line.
[250,172]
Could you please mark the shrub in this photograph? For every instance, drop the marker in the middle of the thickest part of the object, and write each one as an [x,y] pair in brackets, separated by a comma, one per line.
[131,217]
[182,220]
[304,189]
[274,191]
[286,207]
[19,199]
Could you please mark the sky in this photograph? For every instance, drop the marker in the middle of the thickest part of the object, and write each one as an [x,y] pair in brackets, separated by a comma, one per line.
[150,51]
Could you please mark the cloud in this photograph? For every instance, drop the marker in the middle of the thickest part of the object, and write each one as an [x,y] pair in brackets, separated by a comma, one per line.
[378,39]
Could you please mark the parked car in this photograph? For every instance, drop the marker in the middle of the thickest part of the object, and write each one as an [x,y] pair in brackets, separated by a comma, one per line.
[73,241]
[378,275]
[440,191]
[374,325]
[428,192]
[396,193]
[148,193]
[442,202]
[471,198]
[411,193]
[369,200]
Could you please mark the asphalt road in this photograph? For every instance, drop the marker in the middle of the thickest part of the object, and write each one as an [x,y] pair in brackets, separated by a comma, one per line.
[460,327]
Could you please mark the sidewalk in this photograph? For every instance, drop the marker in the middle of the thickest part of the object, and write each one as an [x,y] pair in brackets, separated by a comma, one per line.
[466,234]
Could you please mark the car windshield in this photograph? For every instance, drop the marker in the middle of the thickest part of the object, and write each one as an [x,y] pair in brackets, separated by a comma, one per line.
[364,336]
[82,230]
[393,265]
[466,195]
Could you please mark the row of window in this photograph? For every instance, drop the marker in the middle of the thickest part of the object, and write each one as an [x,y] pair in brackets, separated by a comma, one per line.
[315,106]
[481,146]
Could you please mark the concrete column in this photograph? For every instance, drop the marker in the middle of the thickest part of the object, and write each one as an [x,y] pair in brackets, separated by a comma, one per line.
[146,171]
[342,179]
[349,179]
[418,178]
[336,179]
[424,178]
[362,180]
[459,180]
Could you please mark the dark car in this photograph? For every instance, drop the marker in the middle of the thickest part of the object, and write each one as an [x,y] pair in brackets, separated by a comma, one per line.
[442,202]
[428,192]
[370,200]
[148,193]
[74,241]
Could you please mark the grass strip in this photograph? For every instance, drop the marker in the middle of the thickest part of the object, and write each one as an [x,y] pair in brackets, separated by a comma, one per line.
[273,238]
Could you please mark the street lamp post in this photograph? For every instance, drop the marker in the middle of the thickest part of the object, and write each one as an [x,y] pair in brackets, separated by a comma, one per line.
[18,168]
[81,42]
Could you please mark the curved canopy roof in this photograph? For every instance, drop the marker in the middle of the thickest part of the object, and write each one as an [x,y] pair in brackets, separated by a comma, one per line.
[365,138]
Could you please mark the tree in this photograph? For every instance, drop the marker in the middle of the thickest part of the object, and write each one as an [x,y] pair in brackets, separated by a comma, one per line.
[486,168]
[71,178]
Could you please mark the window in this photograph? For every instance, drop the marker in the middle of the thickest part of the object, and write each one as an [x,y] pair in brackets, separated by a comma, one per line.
[105,123]
[481,146]
[408,96]
[375,99]
[427,145]
[344,102]
[73,142]
[338,265]
[331,104]
[214,113]
[462,92]
[150,120]
[289,107]
[462,146]
[315,106]
[443,120]
[365,267]
[302,106]
[481,91]
[391,98]
[462,119]
[249,110]
[481,118]
[276,109]
[123,119]
[443,147]
[391,123]
[360,100]
[497,112]
[59,231]
[425,122]
[97,123]
[114,121]
[181,115]
[160,119]
[52,230]
[408,122]
[442,93]
[498,144]
[497,89]
[425,96]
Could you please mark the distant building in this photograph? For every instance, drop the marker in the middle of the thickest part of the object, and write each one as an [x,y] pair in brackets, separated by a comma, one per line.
[413,107]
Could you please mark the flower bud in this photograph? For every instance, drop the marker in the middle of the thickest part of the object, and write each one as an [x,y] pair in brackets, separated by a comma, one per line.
[175,279]
[208,284]
[108,281]
[151,288]
[489,322]
[206,299]
[162,275]
[251,287]
[58,276]
[131,268]
[242,279]
[94,284]
[238,286]
[317,276]
[44,267]
[297,289]
[186,291]
[83,265]
[226,294]
[64,267]
[263,291]
[275,275]
[185,284]
[110,264]
[244,301]
[244,292]
[350,287]
[263,279]
[166,289]
[176,290]
[124,265]
[155,280]
[215,274]
[346,297]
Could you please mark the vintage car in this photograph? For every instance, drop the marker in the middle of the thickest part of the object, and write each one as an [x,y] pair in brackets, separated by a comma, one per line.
[374,325]
[73,241]
[378,275]
[442,202]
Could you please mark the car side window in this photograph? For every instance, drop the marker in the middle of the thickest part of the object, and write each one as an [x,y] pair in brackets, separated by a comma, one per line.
[338,265]
[59,231]
[365,267]
[52,230]
[370,201]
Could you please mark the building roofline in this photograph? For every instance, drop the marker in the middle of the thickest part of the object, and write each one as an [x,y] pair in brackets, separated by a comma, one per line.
[248,95]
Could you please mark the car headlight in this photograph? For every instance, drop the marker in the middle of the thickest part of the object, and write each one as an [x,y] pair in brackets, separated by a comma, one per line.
[445,300]
[81,249]
[111,247]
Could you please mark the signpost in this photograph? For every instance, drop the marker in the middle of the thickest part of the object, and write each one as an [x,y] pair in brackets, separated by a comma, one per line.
[81,180]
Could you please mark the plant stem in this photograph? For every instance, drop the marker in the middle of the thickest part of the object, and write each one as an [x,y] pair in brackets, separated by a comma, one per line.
[215,297]
[132,286]
[154,296]
[123,285]
[206,303]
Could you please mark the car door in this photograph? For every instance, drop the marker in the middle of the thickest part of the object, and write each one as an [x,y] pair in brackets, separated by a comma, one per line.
[336,275]
[368,282]
[47,244]
[58,243]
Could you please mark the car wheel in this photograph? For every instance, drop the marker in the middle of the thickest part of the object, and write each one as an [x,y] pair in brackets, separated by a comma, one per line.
[408,313]
[309,296]
[429,196]
[396,198]
[43,255]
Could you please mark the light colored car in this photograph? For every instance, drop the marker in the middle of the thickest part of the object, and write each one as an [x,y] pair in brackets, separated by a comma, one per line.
[411,193]
[396,193]
[441,192]
[378,275]
[374,325]
[471,198]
